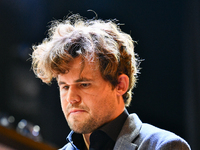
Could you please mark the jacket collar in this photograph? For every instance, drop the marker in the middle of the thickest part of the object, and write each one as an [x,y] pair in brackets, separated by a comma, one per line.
[129,132]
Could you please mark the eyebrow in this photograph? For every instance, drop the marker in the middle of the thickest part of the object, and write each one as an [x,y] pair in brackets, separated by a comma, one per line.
[82,80]
[76,81]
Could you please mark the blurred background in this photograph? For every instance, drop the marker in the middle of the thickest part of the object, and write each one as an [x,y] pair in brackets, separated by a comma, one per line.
[168,36]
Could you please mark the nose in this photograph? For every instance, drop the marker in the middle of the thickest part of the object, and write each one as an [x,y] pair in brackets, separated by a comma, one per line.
[72,95]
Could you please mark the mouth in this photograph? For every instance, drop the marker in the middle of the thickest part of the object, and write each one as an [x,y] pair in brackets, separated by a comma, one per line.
[76,111]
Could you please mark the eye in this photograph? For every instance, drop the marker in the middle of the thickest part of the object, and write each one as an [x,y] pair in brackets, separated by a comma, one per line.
[66,87]
[85,85]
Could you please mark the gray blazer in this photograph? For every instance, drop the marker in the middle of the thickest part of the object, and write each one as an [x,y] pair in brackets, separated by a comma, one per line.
[136,135]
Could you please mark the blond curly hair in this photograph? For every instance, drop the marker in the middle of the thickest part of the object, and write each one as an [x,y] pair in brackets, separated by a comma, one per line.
[93,40]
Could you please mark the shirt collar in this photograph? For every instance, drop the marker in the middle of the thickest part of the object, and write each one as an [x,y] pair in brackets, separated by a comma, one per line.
[113,128]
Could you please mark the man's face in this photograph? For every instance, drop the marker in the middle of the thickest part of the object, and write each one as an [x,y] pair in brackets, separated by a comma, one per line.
[88,101]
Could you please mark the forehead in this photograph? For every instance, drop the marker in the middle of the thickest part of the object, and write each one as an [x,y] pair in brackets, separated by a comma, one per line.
[80,68]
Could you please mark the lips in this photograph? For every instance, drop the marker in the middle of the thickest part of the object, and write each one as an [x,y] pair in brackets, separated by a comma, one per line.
[76,111]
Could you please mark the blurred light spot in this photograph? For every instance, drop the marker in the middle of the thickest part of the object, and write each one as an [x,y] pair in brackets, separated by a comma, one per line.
[22,124]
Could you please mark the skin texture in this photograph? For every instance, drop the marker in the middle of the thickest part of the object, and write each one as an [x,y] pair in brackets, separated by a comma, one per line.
[87,100]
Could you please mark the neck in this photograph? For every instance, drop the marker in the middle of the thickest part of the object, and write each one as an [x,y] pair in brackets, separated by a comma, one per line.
[86,138]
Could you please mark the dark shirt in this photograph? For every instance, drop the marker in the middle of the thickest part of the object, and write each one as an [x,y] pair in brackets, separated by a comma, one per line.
[103,138]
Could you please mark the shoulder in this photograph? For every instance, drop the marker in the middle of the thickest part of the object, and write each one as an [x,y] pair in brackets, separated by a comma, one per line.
[148,137]
[160,139]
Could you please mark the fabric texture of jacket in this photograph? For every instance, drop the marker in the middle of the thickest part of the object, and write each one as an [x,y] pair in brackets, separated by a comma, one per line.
[136,135]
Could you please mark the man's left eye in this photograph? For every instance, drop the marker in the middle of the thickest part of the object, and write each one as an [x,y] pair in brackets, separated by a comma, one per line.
[85,85]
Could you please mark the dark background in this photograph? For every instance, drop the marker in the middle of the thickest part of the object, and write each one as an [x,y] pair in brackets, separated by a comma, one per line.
[168,36]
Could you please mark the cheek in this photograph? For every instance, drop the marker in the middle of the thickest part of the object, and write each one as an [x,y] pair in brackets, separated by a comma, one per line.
[63,102]
[107,100]
[63,106]
[99,101]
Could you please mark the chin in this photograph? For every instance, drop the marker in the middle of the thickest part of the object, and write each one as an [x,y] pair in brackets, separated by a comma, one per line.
[81,129]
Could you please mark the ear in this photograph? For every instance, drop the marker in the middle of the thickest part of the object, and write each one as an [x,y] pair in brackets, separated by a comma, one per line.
[123,84]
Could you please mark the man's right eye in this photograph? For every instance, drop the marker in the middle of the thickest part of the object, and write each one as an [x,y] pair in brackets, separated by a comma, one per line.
[66,87]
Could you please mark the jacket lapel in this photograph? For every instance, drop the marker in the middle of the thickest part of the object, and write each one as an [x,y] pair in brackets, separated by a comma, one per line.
[129,132]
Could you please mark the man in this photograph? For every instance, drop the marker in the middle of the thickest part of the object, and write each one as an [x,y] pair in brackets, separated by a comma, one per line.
[96,68]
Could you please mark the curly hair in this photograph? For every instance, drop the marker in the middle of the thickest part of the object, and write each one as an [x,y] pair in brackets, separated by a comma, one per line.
[93,40]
